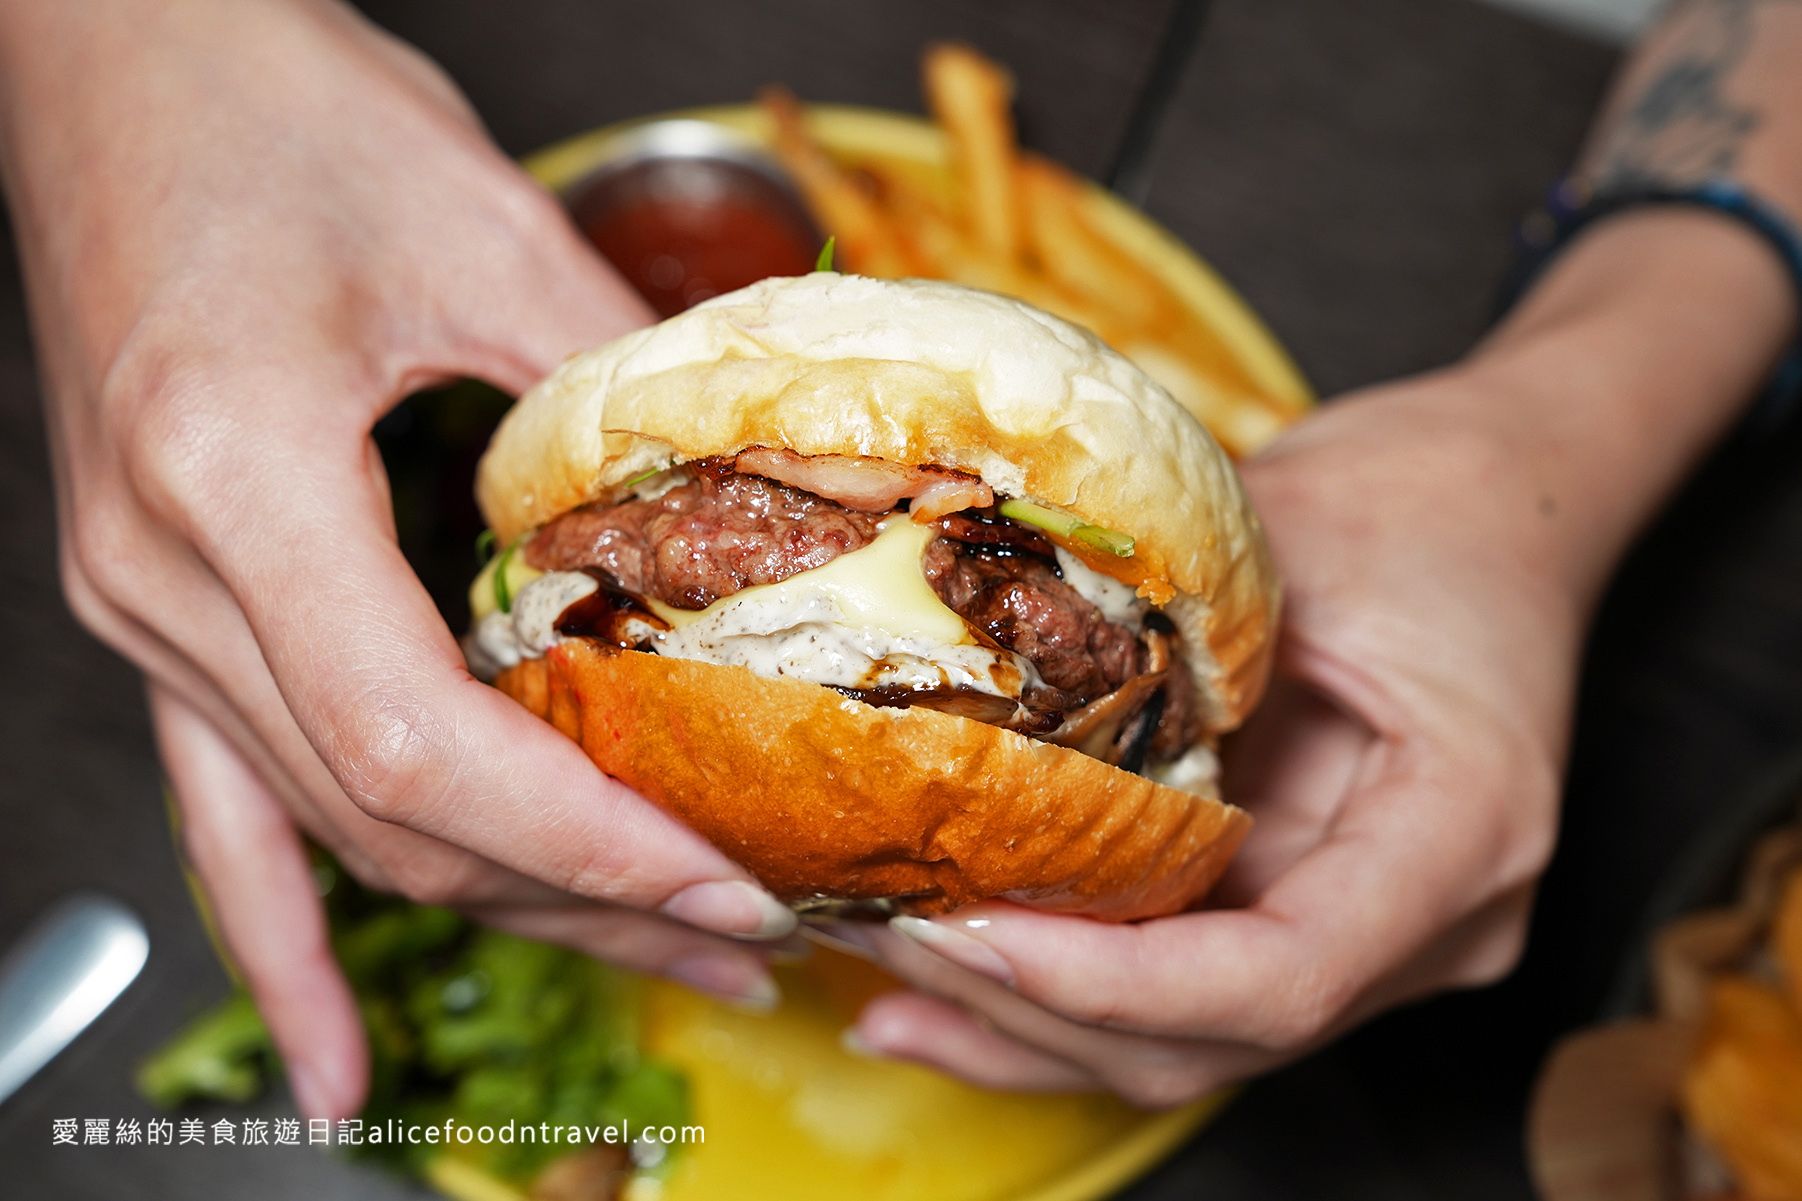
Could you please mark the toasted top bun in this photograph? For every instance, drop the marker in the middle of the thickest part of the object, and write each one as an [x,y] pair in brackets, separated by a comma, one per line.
[917,372]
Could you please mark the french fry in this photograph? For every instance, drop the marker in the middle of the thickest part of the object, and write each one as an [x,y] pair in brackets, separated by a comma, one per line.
[938,242]
[1016,224]
[1741,1094]
[1160,334]
[867,241]
[945,249]
[971,98]
[1069,252]
[903,183]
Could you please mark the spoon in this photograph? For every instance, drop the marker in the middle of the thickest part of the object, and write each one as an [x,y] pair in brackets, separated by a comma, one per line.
[68,967]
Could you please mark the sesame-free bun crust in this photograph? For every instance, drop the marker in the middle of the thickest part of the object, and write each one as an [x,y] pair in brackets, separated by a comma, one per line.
[917,372]
[821,795]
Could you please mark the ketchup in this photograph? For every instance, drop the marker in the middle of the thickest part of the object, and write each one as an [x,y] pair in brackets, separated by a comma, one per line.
[682,230]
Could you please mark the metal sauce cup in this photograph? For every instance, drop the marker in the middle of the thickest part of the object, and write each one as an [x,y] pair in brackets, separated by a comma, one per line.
[686,210]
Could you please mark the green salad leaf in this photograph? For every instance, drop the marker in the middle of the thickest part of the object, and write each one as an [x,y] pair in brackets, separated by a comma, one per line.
[464,1023]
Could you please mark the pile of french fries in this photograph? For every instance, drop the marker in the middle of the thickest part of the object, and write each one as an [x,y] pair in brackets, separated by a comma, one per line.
[1743,1092]
[1017,223]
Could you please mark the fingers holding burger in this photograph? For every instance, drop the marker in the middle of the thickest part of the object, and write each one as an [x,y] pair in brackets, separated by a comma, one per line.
[903,594]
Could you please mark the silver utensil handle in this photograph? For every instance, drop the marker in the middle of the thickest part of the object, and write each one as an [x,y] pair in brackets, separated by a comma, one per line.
[68,967]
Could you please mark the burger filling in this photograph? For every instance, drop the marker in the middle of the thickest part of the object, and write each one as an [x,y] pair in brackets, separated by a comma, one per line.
[897,586]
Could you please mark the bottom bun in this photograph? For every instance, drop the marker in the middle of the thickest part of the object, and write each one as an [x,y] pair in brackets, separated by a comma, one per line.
[821,796]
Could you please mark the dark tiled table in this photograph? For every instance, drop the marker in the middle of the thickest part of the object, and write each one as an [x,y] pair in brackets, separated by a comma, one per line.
[1353,166]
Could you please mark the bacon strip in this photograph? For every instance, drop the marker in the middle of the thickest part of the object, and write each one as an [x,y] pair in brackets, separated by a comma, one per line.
[869,485]
[951,494]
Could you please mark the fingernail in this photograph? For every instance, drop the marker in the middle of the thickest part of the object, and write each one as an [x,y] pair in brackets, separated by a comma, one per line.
[731,979]
[735,907]
[855,1044]
[849,938]
[965,950]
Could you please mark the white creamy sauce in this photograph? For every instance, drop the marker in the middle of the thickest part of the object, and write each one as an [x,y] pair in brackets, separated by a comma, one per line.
[1118,602]
[492,647]
[540,603]
[1196,771]
[821,652]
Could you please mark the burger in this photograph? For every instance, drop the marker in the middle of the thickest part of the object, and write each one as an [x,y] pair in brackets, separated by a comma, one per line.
[903,594]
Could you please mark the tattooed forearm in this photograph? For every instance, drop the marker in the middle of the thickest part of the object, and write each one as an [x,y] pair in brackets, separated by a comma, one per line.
[1683,125]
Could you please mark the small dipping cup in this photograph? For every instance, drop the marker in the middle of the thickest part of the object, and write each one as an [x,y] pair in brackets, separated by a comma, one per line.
[686,210]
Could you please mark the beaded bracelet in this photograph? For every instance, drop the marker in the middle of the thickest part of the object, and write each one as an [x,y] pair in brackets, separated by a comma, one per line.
[1571,206]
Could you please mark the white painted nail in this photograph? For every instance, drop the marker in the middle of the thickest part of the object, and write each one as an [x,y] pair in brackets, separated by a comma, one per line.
[965,950]
[735,907]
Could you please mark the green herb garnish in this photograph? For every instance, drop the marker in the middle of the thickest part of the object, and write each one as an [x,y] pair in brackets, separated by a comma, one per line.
[484,547]
[824,262]
[639,479]
[503,595]
[1112,542]
[1099,537]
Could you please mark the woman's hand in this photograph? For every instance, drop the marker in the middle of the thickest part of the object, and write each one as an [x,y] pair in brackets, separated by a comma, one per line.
[1403,774]
[248,229]
[1443,541]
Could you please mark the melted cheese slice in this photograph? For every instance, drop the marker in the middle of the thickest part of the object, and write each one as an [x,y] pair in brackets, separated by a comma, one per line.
[879,587]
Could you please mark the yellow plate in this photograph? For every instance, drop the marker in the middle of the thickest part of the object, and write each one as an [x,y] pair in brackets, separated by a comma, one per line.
[855,132]
[790,1115]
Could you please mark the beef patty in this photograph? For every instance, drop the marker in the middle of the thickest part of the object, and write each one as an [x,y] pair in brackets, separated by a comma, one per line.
[703,540]
[720,533]
[1020,599]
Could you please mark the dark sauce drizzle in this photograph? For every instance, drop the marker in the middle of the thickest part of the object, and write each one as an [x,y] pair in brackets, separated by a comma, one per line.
[604,614]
